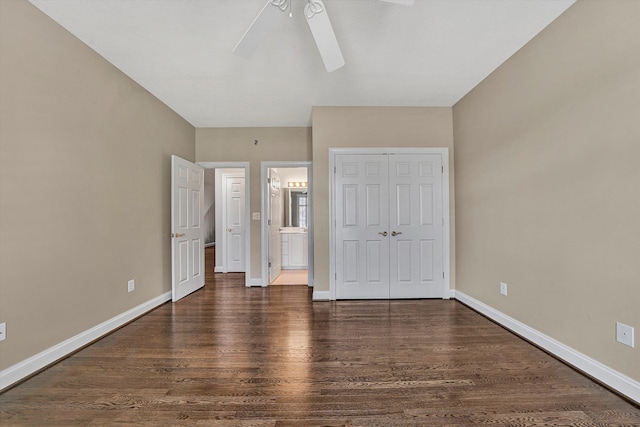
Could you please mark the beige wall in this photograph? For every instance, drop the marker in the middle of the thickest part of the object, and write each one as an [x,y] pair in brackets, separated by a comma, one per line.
[335,127]
[548,182]
[84,185]
[237,145]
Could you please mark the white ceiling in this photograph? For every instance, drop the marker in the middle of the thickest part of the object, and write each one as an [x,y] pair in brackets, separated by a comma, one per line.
[428,54]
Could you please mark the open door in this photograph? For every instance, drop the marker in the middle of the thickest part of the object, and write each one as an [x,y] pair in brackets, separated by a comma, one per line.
[187,232]
[274,222]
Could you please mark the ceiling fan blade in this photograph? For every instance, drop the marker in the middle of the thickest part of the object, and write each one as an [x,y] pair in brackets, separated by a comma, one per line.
[402,2]
[320,26]
[259,28]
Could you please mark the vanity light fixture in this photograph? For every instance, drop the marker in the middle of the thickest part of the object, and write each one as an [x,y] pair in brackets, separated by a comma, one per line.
[297,184]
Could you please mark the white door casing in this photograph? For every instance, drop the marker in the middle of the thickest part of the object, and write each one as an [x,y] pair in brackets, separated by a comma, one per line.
[187,233]
[235,226]
[274,223]
[389,226]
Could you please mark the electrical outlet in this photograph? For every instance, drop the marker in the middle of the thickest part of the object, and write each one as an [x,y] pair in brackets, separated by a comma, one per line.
[624,334]
[255,216]
[3,331]
[131,285]
[503,288]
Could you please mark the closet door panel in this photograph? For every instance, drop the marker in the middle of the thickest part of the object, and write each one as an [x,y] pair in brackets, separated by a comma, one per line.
[415,185]
[362,218]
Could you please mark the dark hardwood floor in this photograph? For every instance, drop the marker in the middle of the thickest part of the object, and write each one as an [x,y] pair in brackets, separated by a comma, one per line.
[234,356]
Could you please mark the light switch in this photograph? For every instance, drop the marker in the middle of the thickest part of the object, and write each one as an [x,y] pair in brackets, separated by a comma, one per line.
[255,216]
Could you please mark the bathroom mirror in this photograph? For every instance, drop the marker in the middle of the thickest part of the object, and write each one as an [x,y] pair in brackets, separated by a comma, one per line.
[296,207]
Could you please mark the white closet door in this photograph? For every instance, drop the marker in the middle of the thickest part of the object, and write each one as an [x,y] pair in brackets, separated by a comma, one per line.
[416,226]
[389,226]
[362,220]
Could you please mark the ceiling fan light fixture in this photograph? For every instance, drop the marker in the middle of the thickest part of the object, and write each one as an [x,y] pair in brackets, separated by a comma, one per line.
[281,4]
[317,17]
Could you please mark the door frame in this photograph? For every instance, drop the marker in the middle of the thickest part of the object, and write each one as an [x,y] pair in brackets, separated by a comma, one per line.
[446,256]
[264,253]
[247,207]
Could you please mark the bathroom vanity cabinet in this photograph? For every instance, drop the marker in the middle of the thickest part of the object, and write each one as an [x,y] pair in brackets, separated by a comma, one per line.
[295,244]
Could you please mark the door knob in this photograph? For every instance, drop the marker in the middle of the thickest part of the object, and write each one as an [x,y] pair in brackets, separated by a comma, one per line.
[176,235]
[229,230]
[396,233]
[383,233]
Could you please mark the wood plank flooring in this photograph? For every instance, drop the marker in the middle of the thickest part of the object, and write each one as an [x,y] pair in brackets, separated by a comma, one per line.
[234,356]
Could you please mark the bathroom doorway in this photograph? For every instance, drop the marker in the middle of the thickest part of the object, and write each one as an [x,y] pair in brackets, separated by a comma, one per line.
[287,231]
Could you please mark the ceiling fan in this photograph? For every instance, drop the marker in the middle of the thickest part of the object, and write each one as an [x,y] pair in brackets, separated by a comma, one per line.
[319,24]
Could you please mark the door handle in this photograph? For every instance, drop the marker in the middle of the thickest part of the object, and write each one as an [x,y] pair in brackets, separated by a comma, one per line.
[396,233]
[383,233]
[229,230]
[176,235]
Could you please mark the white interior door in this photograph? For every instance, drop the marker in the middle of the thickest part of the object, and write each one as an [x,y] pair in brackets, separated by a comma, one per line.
[275,223]
[389,226]
[362,226]
[187,233]
[235,224]
[415,236]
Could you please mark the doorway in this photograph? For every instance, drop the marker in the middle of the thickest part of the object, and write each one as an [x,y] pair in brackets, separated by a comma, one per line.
[227,226]
[287,231]
[231,226]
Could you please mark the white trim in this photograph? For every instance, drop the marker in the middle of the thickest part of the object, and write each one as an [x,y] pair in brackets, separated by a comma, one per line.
[446,229]
[33,364]
[247,206]
[254,281]
[218,269]
[264,256]
[208,245]
[322,296]
[332,222]
[446,233]
[612,378]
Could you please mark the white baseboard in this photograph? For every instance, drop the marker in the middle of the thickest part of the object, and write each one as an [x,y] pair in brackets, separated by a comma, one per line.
[218,269]
[254,281]
[326,295]
[321,295]
[612,378]
[33,364]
